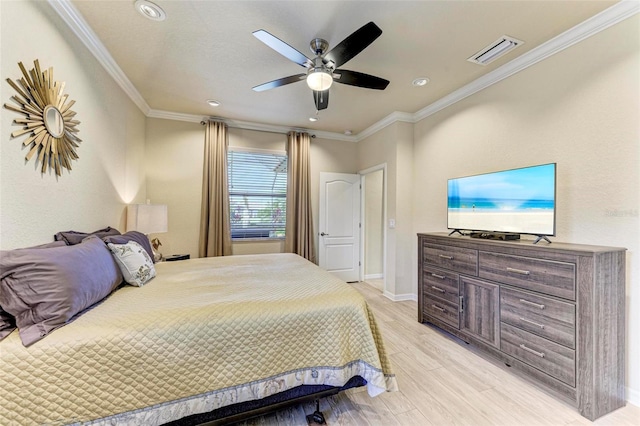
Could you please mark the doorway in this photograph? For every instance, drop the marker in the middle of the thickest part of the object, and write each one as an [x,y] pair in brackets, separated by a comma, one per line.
[339,225]
[373,230]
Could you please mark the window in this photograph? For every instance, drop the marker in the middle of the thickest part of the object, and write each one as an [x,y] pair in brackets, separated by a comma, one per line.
[257,193]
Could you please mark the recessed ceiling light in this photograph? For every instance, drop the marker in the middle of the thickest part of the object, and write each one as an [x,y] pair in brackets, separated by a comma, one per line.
[313,118]
[348,132]
[422,81]
[150,10]
[213,103]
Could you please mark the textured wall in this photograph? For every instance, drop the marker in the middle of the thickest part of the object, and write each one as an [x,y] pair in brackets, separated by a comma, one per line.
[393,146]
[174,177]
[373,223]
[108,174]
[580,109]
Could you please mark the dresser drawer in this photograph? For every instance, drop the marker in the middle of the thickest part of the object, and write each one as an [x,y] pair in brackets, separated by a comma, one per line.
[442,310]
[441,284]
[456,259]
[546,317]
[546,276]
[551,358]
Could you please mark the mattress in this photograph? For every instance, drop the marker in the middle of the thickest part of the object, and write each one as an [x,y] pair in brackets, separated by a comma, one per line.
[203,334]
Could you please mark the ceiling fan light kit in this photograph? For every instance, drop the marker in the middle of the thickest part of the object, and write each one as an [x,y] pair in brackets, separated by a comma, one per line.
[323,69]
[319,79]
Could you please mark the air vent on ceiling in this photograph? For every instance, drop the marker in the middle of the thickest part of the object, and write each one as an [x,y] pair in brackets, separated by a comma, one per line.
[495,50]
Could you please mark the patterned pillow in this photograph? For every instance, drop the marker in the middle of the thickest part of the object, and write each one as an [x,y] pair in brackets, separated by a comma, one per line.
[134,262]
[138,237]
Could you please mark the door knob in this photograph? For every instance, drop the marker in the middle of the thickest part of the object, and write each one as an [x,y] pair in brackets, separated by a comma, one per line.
[322,234]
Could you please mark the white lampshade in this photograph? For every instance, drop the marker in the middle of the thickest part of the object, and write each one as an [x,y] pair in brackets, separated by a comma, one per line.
[319,80]
[147,218]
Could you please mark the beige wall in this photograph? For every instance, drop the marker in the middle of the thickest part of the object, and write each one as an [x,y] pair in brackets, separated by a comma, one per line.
[373,223]
[579,108]
[109,172]
[393,146]
[174,177]
[174,158]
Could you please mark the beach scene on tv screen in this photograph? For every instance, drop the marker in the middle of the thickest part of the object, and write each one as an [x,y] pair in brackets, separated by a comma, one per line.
[519,201]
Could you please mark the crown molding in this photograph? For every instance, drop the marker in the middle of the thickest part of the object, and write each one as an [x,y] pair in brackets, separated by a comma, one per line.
[177,116]
[610,16]
[603,20]
[248,125]
[389,119]
[74,20]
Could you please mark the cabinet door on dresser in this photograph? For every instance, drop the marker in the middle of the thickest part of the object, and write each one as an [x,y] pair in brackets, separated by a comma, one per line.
[480,315]
[554,312]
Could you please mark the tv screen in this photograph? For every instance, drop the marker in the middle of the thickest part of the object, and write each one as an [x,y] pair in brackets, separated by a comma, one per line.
[519,201]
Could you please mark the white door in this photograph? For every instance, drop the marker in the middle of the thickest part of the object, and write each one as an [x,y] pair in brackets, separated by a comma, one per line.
[339,225]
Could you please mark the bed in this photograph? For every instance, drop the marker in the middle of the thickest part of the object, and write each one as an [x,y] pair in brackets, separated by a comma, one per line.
[202,335]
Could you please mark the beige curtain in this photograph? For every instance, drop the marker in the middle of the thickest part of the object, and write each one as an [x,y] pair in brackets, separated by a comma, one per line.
[299,231]
[215,224]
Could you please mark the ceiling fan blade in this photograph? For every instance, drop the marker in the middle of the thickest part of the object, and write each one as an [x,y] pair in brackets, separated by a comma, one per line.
[279,82]
[321,99]
[283,48]
[355,78]
[354,44]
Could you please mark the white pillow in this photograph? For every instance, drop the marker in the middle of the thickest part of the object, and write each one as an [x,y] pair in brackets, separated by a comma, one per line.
[134,262]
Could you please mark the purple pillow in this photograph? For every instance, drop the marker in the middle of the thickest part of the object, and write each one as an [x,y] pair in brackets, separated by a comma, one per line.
[7,321]
[136,236]
[45,288]
[75,237]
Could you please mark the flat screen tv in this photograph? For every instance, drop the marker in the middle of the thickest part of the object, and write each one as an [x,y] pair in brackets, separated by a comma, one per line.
[517,201]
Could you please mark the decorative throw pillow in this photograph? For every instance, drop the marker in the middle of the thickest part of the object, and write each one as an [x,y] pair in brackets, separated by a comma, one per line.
[44,288]
[7,321]
[136,236]
[75,237]
[134,262]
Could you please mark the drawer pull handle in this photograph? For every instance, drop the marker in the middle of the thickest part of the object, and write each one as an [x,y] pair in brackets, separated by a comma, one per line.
[445,257]
[438,289]
[532,323]
[438,308]
[537,305]
[540,354]
[438,276]
[518,271]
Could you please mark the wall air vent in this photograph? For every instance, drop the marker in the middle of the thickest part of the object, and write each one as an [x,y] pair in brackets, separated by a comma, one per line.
[495,50]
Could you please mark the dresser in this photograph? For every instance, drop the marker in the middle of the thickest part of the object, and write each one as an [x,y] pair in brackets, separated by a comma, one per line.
[553,312]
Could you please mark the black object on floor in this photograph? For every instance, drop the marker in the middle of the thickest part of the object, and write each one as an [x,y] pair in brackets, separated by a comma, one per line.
[317,417]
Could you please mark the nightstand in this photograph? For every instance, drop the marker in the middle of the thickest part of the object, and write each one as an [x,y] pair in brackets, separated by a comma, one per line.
[175,257]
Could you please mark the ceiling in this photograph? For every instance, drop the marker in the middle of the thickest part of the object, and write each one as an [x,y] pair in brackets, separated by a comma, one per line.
[206,50]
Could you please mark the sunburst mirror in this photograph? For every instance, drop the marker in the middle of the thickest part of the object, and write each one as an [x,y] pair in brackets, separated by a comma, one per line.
[49,121]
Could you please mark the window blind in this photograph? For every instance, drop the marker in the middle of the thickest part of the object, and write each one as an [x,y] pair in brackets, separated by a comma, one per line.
[257,194]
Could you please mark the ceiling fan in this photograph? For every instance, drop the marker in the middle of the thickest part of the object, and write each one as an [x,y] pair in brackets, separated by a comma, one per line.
[323,70]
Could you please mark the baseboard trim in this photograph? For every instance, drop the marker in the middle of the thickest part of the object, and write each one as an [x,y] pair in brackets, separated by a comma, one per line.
[373,277]
[400,297]
[633,396]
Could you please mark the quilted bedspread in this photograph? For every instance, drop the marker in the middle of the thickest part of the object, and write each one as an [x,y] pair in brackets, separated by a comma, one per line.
[203,334]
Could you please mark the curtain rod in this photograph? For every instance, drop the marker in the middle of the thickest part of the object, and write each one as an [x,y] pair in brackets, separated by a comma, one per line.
[238,126]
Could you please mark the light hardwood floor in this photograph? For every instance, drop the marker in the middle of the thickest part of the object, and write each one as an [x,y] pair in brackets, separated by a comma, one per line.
[441,382]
